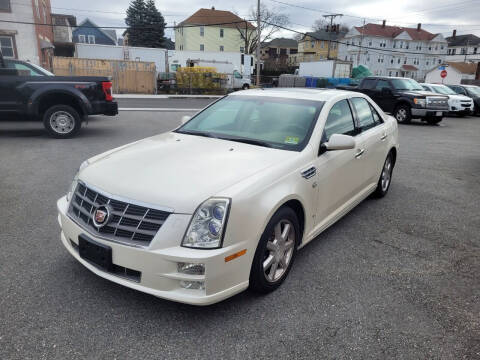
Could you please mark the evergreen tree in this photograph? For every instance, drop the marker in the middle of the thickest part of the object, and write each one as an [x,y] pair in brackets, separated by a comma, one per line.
[146,25]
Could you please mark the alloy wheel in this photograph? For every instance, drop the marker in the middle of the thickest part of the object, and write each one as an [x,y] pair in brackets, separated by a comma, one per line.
[279,251]
[386,174]
[401,115]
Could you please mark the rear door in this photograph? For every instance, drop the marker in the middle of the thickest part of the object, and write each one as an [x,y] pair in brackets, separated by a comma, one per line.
[372,141]
[383,99]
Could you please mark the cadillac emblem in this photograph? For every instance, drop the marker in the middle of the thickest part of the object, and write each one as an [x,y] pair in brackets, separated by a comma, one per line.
[101,216]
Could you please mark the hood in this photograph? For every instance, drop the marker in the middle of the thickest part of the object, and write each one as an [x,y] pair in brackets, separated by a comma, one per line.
[178,171]
[421,92]
[459,98]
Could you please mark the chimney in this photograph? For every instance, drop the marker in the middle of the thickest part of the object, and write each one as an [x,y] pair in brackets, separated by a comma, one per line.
[454,35]
[419,26]
[384,22]
[213,7]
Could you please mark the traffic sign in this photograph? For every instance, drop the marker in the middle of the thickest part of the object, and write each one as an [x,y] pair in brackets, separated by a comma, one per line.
[443,74]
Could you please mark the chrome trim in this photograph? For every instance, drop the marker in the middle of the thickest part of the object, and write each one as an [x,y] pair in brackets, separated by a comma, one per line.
[309,173]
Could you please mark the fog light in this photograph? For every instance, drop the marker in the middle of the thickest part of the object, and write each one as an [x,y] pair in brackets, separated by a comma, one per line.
[191,269]
[193,285]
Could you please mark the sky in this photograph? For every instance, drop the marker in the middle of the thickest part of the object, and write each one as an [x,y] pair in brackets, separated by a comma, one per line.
[436,16]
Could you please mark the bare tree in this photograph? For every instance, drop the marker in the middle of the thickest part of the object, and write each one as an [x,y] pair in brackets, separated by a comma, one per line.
[271,22]
[322,23]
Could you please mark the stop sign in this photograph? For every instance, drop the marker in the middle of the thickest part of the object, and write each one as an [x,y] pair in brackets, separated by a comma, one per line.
[443,74]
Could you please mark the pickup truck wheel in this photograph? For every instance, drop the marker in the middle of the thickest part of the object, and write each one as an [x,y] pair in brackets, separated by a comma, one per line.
[62,121]
[434,120]
[403,114]
[275,252]
[245,87]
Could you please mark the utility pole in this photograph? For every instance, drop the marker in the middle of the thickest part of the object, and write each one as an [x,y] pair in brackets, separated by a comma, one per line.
[466,50]
[361,42]
[258,43]
[332,17]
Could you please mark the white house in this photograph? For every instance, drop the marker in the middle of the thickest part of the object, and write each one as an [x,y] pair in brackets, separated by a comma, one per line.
[456,72]
[463,48]
[392,50]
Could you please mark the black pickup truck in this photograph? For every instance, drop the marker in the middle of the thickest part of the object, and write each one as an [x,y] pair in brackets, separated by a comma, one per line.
[28,91]
[404,98]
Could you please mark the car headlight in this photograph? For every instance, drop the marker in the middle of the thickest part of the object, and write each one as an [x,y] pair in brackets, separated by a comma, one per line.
[73,186]
[208,225]
[420,102]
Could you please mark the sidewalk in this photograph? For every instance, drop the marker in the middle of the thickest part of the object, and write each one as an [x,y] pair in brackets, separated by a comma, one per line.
[164,96]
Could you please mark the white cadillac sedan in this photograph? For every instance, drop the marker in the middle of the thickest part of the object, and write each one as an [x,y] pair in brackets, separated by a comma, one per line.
[224,202]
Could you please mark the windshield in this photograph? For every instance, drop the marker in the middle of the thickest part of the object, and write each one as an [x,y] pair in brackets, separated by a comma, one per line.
[475,90]
[46,72]
[444,90]
[265,121]
[406,84]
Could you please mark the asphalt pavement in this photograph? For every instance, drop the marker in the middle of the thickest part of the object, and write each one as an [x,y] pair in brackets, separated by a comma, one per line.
[397,278]
[159,103]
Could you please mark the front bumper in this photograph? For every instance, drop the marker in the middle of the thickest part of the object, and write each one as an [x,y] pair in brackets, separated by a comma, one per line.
[157,264]
[459,109]
[423,113]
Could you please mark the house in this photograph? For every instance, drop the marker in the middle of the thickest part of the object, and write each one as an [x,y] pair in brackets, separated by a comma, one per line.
[88,32]
[393,50]
[210,37]
[463,47]
[456,72]
[63,34]
[25,38]
[314,46]
[275,53]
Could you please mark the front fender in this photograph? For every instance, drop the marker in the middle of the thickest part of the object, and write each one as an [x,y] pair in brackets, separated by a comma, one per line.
[40,93]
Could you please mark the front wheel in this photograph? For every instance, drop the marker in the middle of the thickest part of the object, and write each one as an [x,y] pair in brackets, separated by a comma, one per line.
[403,114]
[385,178]
[245,87]
[62,121]
[275,252]
[434,120]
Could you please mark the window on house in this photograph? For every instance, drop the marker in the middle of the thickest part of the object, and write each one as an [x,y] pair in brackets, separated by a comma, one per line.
[7,46]
[322,44]
[454,51]
[202,47]
[474,50]
[44,13]
[242,49]
[5,6]
[439,61]
[441,47]
[312,44]
[202,31]
[221,33]
[91,39]
[221,47]
[81,39]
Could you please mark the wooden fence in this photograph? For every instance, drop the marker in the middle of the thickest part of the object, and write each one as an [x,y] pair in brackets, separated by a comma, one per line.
[132,77]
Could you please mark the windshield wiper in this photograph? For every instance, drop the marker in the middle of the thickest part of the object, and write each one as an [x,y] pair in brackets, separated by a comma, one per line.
[248,141]
[199,133]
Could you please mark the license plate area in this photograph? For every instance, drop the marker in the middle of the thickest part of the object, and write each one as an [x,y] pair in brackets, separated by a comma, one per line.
[96,253]
[438,113]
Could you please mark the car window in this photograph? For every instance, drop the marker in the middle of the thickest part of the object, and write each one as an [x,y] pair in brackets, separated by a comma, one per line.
[426,88]
[339,121]
[376,116]
[382,84]
[24,68]
[364,113]
[368,83]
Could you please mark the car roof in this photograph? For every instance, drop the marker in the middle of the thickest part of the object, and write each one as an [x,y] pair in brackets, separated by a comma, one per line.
[431,84]
[299,93]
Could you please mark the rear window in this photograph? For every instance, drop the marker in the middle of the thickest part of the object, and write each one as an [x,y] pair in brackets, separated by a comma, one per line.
[368,83]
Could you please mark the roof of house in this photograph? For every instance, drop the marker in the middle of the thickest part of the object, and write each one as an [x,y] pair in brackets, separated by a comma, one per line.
[464,68]
[212,16]
[281,43]
[394,31]
[112,34]
[462,40]
[325,35]
[72,20]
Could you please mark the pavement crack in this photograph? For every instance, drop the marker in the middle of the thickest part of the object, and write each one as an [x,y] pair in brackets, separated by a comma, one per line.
[400,249]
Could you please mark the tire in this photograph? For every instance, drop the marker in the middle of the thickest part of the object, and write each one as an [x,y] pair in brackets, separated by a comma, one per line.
[245,87]
[434,120]
[403,114]
[385,177]
[264,279]
[62,121]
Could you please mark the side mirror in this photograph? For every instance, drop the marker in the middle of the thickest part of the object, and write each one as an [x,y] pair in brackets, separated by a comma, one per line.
[386,91]
[185,119]
[340,142]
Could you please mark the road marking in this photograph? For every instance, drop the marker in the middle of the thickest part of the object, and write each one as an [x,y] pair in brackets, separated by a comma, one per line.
[157,109]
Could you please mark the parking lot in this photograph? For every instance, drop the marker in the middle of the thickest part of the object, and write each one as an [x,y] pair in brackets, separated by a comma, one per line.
[396,278]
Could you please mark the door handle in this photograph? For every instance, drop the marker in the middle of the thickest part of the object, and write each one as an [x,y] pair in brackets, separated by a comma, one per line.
[359,153]
[384,136]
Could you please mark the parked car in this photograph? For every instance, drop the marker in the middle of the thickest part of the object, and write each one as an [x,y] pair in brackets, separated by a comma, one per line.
[404,98]
[223,202]
[61,102]
[459,105]
[472,92]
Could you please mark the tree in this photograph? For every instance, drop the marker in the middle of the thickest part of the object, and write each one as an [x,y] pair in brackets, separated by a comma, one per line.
[270,23]
[322,23]
[146,25]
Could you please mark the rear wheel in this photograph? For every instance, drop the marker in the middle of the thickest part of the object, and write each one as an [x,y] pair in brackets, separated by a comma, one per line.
[62,121]
[403,114]
[434,120]
[385,178]
[275,252]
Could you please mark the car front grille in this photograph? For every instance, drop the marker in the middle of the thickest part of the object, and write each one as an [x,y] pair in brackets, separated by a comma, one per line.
[437,103]
[129,224]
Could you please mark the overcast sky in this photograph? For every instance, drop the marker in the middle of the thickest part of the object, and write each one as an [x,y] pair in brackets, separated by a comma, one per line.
[462,15]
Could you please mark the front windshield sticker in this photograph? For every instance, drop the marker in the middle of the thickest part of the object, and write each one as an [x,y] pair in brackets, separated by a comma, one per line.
[292,140]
